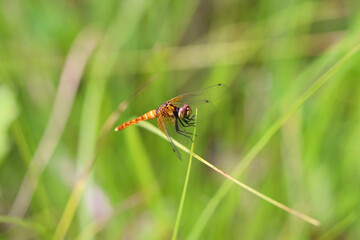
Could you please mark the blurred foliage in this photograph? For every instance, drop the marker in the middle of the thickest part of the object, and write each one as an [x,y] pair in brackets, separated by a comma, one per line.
[267,52]
[8,111]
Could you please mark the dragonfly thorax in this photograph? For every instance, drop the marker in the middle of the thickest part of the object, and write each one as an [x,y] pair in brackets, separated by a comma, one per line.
[184,111]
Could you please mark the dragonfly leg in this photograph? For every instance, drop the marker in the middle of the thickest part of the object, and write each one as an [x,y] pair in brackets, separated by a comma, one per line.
[187,122]
[183,122]
[183,133]
[190,121]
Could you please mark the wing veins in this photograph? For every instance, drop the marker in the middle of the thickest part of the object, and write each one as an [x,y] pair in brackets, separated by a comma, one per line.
[162,127]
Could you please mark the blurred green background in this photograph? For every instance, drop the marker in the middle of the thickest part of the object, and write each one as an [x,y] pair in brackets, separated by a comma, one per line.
[65,66]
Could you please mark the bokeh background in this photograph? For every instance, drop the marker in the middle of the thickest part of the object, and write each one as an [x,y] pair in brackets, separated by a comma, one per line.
[70,71]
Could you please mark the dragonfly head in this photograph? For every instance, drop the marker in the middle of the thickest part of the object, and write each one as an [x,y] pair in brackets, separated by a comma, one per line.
[184,111]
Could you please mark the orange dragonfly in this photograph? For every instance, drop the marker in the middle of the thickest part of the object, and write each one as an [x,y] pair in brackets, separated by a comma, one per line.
[176,114]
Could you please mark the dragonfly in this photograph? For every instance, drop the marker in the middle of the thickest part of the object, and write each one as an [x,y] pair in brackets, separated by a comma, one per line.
[177,114]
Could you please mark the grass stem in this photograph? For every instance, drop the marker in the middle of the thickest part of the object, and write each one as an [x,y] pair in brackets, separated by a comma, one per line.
[178,217]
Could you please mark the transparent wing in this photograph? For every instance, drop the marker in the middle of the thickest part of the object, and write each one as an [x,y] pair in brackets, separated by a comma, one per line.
[179,129]
[161,124]
[203,100]
[204,96]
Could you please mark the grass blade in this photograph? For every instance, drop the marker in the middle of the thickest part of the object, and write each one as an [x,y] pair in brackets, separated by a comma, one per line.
[306,218]
[80,184]
[178,217]
[225,188]
[75,64]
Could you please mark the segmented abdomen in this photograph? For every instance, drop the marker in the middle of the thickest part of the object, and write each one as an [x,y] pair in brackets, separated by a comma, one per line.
[146,116]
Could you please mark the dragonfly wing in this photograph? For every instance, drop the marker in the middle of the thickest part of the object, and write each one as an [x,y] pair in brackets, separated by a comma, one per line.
[162,127]
[204,96]
[203,100]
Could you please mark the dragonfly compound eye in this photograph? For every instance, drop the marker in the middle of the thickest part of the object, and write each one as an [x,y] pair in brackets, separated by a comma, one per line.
[184,111]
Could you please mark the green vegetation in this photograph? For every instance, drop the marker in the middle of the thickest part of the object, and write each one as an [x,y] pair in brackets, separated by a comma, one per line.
[289,126]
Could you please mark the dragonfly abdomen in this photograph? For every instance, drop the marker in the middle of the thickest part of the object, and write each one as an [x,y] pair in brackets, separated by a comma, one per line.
[146,116]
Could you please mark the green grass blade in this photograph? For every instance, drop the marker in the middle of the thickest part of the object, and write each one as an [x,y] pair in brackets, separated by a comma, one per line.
[178,217]
[335,232]
[313,221]
[143,169]
[225,188]
[59,117]
[38,228]
[113,40]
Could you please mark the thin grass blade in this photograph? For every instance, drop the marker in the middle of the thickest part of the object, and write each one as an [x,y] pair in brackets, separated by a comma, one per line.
[178,217]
